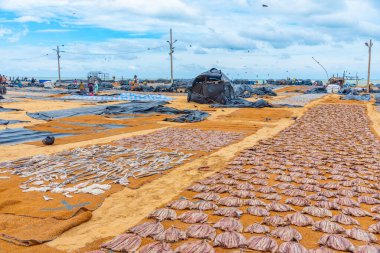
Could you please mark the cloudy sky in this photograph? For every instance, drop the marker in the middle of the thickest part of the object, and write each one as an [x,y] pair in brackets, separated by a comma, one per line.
[244,39]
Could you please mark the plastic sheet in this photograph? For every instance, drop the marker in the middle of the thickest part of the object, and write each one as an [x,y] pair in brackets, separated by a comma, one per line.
[241,103]
[363,97]
[20,135]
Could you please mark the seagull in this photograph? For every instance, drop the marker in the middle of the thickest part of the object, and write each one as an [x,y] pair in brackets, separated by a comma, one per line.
[264,5]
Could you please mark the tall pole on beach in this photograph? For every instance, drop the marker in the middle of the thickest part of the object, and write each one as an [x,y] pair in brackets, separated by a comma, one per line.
[369,45]
[59,63]
[171,48]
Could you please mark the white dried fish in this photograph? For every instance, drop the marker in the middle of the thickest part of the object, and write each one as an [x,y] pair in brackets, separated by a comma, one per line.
[257,211]
[229,212]
[361,235]
[257,229]
[336,242]
[229,224]
[163,214]
[328,227]
[262,243]
[287,234]
[317,211]
[292,247]
[201,231]
[299,219]
[195,247]
[230,240]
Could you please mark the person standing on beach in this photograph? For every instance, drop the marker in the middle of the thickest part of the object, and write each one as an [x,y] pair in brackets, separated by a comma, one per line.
[96,87]
[91,88]
[81,87]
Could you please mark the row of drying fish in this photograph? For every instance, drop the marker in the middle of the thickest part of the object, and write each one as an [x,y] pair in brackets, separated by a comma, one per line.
[184,139]
[325,166]
[91,169]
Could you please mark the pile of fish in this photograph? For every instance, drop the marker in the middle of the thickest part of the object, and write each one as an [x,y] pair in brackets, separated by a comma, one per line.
[321,175]
[91,169]
[184,139]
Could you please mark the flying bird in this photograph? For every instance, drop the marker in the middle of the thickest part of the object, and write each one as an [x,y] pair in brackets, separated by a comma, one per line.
[265,5]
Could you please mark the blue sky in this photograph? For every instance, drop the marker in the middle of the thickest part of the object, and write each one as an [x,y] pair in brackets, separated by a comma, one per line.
[245,40]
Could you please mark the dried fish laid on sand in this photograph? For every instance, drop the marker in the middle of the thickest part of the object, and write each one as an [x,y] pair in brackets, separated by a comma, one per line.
[71,172]
[257,211]
[262,243]
[193,217]
[229,224]
[195,247]
[328,227]
[201,231]
[147,229]
[344,219]
[163,214]
[317,211]
[361,235]
[181,204]
[287,234]
[171,235]
[367,249]
[125,243]
[336,242]
[184,139]
[275,221]
[157,247]
[290,247]
[257,229]
[299,219]
[230,240]
[229,212]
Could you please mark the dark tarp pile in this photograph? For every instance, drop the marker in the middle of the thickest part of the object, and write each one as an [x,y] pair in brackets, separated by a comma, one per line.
[214,87]
[363,97]
[192,116]
[247,91]
[2,109]
[348,90]
[241,103]
[211,87]
[125,108]
[316,90]
[21,135]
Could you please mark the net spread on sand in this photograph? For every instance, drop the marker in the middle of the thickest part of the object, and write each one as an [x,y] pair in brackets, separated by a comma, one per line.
[320,174]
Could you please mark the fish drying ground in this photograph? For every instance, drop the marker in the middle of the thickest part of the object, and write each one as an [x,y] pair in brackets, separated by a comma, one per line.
[312,188]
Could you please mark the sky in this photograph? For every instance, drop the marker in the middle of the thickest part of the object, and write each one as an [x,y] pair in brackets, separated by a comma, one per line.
[240,37]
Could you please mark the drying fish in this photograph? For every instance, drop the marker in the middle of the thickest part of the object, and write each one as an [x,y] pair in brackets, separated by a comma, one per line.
[374,228]
[287,234]
[298,201]
[271,196]
[229,224]
[124,243]
[328,194]
[163,214]
[266,189]
[367,249]
[346,201]
[257,211]
[157,247]
[294,193]
[210,196]
[368,200]
[205,205]
[299,219]
[195,247]
[242,194]
[317,197]
[336,242]
[201,231]
[283,186]
[230,240]
[344,219]
[198,188]
[278,207]
[244,186]
[229,212]
[321,250]
[254,202]
[284,178]
[317,211]
[375,209]
[230,201]
[257,181]
[292,247]
[328,205]
[181,204]
[328,227]
[347,193]
[147,229]
[220,188]
[193,217]
[355,211]
[275,221]
[171,235]
[262,243]
[257,229]
[361,235]
[363,189]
